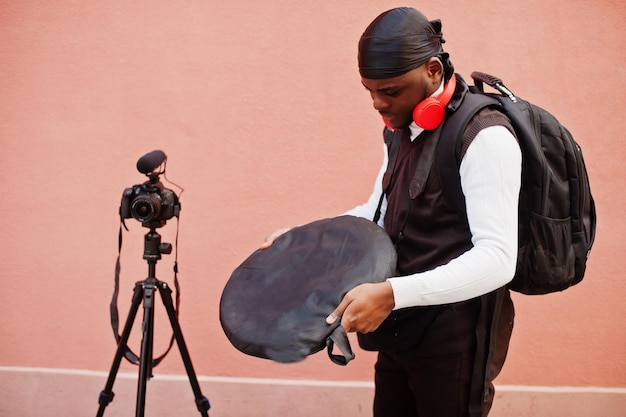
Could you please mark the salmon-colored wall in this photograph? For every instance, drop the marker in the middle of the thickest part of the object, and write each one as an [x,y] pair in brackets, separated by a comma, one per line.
[259,107]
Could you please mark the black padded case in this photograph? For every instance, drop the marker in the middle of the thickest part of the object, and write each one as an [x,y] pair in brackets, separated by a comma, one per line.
[275,303]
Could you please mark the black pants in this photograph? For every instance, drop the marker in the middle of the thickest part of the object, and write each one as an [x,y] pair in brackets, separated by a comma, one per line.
[409,385]
[436,378]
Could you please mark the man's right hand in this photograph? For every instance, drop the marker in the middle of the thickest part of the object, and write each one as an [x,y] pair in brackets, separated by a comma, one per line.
[271,238]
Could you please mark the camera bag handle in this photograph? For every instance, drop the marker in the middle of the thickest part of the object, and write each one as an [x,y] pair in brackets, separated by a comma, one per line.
[129,354]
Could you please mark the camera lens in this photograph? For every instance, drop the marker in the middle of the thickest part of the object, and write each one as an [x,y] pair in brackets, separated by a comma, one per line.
[145,208]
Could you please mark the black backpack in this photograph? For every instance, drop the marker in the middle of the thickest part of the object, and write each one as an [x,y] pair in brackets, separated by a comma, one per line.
[557,217]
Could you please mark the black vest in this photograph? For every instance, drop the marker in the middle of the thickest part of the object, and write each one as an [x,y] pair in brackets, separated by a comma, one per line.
[428,232]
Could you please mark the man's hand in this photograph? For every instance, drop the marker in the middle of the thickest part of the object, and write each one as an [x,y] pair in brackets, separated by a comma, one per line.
[364,307]
[271,238]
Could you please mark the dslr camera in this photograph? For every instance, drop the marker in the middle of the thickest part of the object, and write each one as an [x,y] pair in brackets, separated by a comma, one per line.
[150,203]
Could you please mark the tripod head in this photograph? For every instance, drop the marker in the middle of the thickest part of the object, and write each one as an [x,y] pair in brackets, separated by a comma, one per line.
[153,248]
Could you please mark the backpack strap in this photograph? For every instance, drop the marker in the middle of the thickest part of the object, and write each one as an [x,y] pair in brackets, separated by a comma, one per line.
[454,141]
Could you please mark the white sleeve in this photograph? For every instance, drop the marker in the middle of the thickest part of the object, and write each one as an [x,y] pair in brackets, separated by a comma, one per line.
[490,178]
[368,209]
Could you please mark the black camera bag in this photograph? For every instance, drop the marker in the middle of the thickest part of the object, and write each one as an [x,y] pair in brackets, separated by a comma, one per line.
[275,303]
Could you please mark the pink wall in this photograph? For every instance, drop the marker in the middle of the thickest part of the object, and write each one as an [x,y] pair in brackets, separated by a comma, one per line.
[259,107]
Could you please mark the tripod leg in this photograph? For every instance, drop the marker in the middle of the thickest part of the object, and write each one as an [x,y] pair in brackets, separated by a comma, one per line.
[202,402]
[106,395]
[145,364]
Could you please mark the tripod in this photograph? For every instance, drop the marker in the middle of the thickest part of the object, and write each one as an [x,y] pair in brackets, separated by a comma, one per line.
[146,291]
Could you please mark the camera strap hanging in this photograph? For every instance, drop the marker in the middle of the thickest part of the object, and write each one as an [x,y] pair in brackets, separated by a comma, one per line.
[129,354]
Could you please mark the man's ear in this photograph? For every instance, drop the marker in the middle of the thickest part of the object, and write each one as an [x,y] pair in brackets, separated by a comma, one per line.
[434,66]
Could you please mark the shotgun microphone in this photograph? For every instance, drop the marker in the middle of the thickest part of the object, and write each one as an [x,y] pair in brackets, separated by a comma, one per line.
[151,161]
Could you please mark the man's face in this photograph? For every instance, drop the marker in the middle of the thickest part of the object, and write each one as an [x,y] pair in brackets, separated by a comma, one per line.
[395,98]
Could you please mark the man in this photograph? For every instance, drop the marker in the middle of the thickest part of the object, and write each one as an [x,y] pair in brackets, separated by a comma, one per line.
[442,325]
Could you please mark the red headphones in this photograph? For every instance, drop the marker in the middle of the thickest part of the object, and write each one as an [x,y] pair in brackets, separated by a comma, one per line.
[429,113]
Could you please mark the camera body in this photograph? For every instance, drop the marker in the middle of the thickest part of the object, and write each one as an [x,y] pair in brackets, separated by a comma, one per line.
[150,203]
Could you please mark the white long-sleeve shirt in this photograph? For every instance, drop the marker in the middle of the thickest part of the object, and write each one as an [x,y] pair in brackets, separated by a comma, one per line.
[490,179]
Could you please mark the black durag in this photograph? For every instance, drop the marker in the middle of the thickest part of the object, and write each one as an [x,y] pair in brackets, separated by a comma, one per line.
[398,41]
